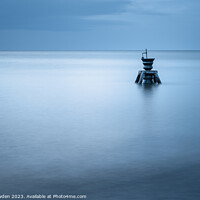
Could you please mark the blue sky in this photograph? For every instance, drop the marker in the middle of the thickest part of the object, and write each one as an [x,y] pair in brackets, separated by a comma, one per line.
[99,24]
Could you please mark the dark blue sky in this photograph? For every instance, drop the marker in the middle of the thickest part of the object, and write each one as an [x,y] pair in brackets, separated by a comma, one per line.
[99,24]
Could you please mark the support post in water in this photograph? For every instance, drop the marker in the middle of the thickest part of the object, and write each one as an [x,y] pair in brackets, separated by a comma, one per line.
[147,76]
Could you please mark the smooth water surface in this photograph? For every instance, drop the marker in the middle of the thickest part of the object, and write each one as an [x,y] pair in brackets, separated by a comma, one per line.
[76,123]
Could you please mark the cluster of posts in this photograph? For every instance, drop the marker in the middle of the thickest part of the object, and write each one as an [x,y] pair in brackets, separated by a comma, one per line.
[147,76]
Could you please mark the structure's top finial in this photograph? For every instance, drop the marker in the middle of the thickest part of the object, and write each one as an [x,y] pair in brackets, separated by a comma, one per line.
[144,53]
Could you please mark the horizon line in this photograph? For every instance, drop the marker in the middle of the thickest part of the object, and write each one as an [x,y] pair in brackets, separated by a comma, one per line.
[97,50]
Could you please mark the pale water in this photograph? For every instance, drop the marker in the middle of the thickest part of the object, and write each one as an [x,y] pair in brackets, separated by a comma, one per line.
[76,123]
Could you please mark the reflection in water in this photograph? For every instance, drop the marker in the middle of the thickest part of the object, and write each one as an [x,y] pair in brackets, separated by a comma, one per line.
[148,89]
[75,123]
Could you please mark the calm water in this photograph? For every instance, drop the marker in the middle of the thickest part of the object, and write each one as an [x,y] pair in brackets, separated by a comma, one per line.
[76,123]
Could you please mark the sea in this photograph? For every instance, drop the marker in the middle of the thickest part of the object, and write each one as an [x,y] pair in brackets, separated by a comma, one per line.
[75,123]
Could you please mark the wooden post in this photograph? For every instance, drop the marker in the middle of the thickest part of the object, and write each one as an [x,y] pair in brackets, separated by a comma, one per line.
[138,77]
[141,77]
[157,78]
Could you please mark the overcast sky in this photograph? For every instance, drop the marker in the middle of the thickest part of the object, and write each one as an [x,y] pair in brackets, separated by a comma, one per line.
[99,24]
